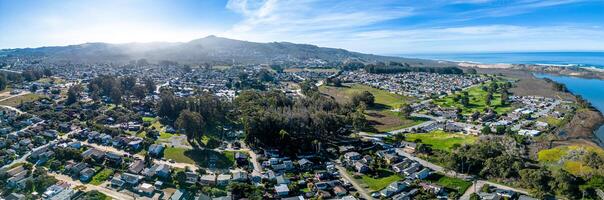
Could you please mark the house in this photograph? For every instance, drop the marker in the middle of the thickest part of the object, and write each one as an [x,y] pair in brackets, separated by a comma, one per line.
[505,193]
[288,165]
[411,169]
[422,174]
[192,177]
[145,189]
[305,164]
[131,179]
[93,153]
[15,170]
[161,170]
[282,180]
[488,196]
[391,158]
[223,179]
[531,133]
[15,196]
[180,194]
[282,190]
[113,157]
[352,156]
[136,166]
[76,168]
[339,191]
[117,182]
[361,167]
[15,179]
[156,150]
[87,174]
[394,188]
[408,147]
[241,158]
[240,176]
[431,187]
[208,179]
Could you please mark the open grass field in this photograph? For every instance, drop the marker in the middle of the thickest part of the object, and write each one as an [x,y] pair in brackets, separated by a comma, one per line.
[477,101]
[380,116]
[569,158]
[455,184]
[101,176]
[441,140]
[203,158]
[15,101]
[384,178]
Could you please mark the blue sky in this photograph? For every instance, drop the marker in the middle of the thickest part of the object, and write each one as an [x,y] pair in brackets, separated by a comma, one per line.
[370,26]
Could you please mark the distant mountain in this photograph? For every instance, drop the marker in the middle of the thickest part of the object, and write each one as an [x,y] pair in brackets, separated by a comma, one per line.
[210,49]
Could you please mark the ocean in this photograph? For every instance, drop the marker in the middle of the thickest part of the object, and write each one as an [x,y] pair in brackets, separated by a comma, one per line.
[583,59]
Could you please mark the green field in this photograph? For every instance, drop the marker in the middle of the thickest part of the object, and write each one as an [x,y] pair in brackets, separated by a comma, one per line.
[385,177]
[148,119]
[380,116]
[203,158]
[575,165]
[458,185]
[101,177]
[477,101]
[440,140]
[15,101]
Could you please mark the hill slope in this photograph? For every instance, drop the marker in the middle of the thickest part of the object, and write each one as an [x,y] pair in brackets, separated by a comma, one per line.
[210,49]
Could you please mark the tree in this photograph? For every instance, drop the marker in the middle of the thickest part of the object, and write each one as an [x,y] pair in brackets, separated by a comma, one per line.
[365,97]
[191,123]
[149,85]
[116,96]
[3,82]
[139,92]
[486,130]
[73,94]
[406,111]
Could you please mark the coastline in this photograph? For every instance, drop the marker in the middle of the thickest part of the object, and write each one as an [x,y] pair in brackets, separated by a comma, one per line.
[578,121]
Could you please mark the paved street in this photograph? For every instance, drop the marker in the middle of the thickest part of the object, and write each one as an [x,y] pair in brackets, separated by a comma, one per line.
[362,191]
[111,193]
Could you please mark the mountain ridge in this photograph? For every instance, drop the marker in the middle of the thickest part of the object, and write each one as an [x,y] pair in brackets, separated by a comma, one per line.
[210,49]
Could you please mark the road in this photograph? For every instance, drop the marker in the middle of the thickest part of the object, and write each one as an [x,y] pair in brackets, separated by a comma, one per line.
[111,193]
[477,185]
[362,191]
[24,157]
[254,157]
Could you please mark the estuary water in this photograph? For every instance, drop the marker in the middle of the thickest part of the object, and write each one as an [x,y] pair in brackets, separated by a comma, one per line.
[591,90]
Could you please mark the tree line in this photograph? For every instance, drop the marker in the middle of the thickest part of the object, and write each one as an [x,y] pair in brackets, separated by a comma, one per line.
[394,67]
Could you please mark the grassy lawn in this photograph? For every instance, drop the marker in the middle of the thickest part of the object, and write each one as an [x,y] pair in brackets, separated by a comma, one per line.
[574,165]
[380,116]
[148,119]
[203,158]
[15,101]
[458,185]
[101,177]
[384,178]
[477,101]
[441,140]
